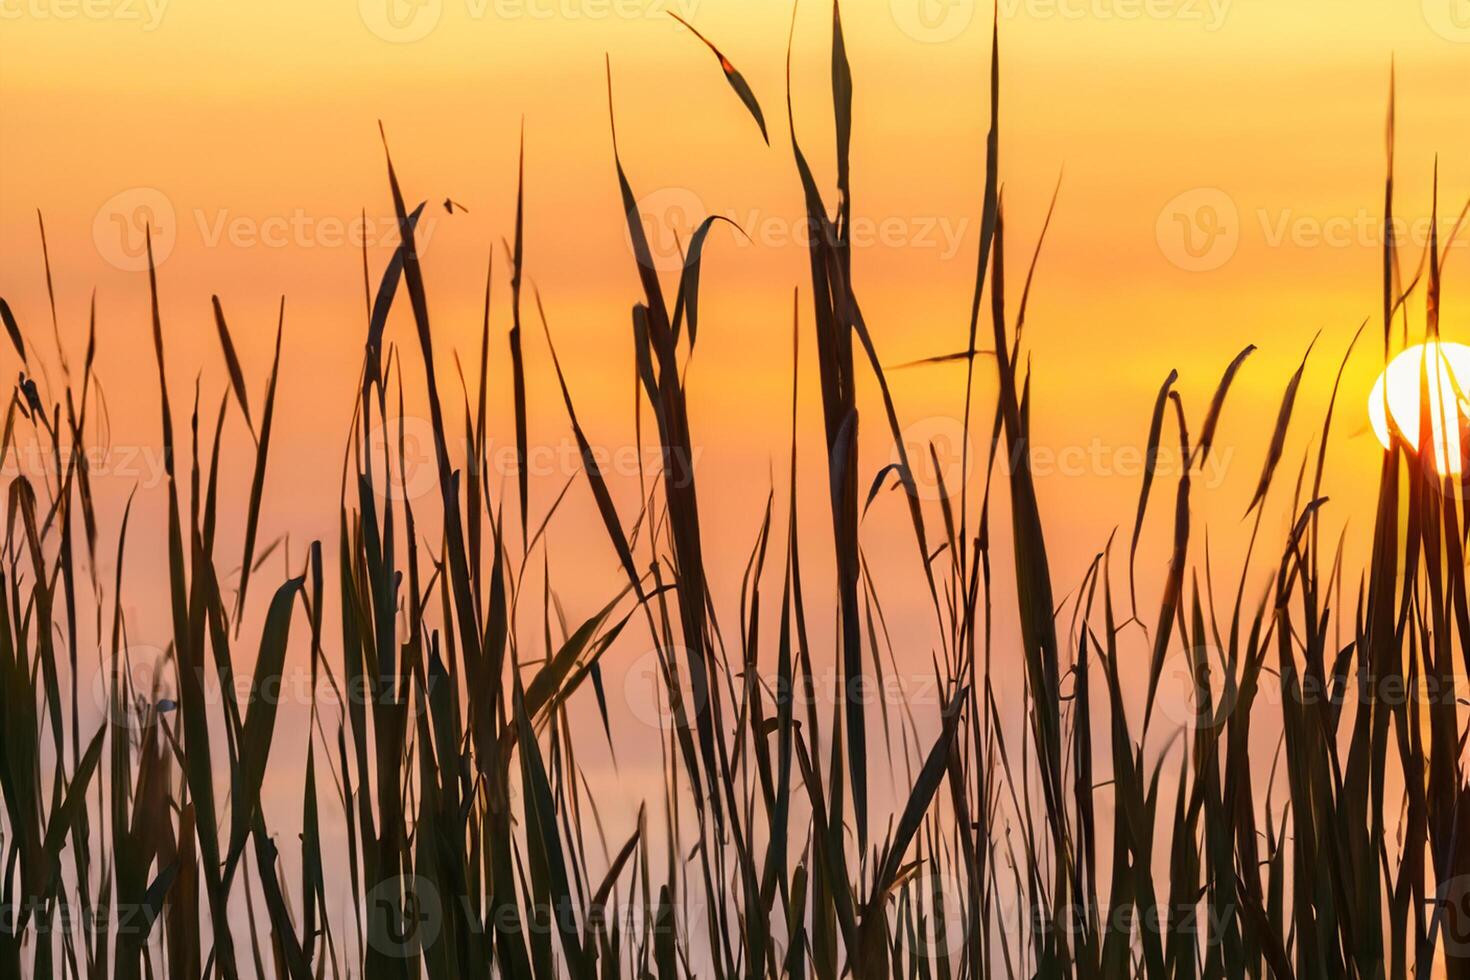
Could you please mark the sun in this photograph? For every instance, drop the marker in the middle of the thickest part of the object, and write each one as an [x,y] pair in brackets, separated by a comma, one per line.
[1448,376]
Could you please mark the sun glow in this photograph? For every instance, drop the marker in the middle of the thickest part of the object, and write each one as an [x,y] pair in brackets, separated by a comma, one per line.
[1445,369]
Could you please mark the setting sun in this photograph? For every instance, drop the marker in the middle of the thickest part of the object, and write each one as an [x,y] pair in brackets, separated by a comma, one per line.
[1447,386]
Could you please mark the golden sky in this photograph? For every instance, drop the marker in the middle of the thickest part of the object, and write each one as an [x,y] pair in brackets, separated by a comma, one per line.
[1222,166]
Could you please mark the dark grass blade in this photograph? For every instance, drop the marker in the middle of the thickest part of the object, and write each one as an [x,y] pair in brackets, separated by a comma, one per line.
[260,718]
[736,80]
[518,367]
[257,484]
[1174,581]
[12,329]
[590,466]
[1217,403]
[1278,435]
[383,302]
[687,299]
[961,355]
[232,362]
[1155,424]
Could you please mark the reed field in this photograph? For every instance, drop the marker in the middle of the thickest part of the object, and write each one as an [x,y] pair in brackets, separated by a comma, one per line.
[443,823]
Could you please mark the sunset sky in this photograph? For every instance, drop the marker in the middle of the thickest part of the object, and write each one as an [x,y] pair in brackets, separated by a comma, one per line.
[1221,163]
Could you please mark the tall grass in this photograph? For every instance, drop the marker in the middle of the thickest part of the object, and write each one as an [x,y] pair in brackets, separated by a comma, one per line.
[474,845]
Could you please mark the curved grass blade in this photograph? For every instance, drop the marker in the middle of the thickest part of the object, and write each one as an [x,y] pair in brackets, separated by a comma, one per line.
[1212,417]
[13,329]
[736,80]
[257,484]
[383,302]
[1154,425]
[688,296]
[605,505]
[517,363]
[1278,437]
[260,718]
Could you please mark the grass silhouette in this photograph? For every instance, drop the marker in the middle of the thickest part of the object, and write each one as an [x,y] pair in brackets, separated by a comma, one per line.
[470,826]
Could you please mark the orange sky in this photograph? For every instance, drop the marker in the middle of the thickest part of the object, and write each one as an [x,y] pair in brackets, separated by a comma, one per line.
[252,127]
[249,132]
